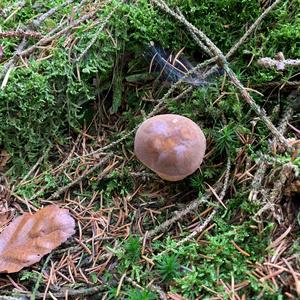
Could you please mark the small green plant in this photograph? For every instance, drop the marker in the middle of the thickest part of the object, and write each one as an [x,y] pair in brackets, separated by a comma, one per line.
[132,249]
[168,267]
[226,139]
[135,294]
[29,276]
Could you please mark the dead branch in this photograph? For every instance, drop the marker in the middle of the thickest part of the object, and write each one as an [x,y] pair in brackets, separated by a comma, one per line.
[94,39]
[80,178]
[279,84]
[157,108]
[47,39]
[268,201]
[35,24]
[279,62]
[81,292]
[204,224]
[20,33]
[222,61]
[39,20]
[251,29]
[16,5]
[178,215]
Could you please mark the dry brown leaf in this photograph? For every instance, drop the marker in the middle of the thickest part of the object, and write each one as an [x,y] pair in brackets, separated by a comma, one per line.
[29,237]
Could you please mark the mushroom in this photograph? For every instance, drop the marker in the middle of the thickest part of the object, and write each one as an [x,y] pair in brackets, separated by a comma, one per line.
[171,145]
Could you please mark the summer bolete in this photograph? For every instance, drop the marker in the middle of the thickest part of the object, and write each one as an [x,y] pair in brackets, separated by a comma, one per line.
[172,146]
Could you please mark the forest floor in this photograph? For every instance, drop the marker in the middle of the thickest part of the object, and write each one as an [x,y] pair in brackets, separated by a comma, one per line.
[75,86]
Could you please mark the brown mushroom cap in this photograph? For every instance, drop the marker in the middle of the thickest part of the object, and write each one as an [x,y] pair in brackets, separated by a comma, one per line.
[172,146]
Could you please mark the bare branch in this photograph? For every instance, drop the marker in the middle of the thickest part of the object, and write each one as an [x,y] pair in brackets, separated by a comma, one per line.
[279,62]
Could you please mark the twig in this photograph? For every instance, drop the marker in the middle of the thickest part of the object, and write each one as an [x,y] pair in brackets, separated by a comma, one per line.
[247,34]
[38,281]
[35,24]
[7,68]
[18,5]
[96,36]
[5,79]
[175,99]
[288,115]
[262,161]
[202,226]
[213,50]
[79,178]
[82,292]
[152,287]
[279,62]
[120,284]
[34,166]
[227,175]
[53,34]
[155,110]
[178,215]
[279,84]
[47,39]
[251,29]
[158,289]
[259,111]
[286,172]
[296,279]
[38,21]
[195,232]
[13,298]
[20,33]
[222,61]
[258,180]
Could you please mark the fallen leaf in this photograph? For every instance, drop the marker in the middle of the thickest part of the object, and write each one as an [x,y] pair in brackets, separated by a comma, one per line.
[29,237]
